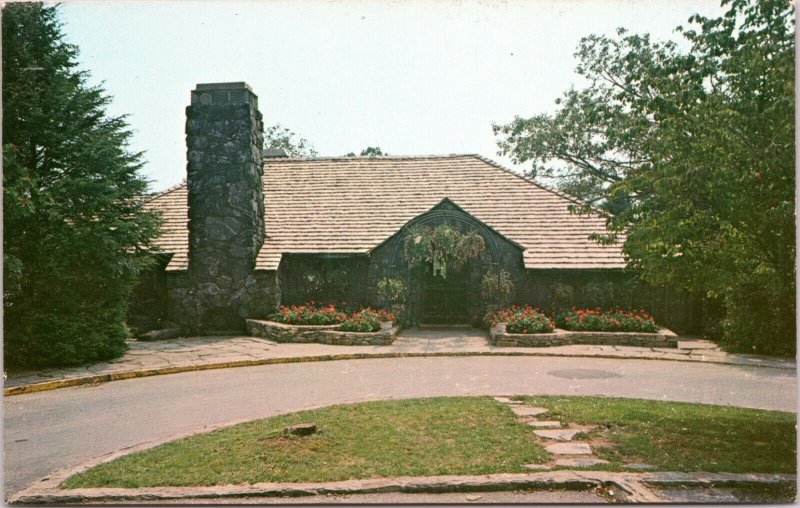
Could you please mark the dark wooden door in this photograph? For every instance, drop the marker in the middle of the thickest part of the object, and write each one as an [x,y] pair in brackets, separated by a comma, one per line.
[445,300]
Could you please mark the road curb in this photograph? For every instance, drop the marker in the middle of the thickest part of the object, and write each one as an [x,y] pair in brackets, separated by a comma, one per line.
[131,374]
[634,487]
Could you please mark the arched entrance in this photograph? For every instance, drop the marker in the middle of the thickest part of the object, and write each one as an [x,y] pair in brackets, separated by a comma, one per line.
[456,298]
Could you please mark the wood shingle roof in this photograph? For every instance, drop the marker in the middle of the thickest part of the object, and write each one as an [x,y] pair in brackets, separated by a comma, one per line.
[352,204]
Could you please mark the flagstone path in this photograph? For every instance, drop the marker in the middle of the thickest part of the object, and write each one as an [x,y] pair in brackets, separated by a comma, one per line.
[559,439]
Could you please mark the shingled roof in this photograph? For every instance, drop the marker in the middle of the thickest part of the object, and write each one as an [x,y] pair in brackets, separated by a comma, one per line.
[349,205]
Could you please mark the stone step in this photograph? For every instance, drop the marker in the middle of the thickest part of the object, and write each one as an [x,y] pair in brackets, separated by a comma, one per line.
[582,462]
[557,434]
[569,449]
[528,411]
[541,424]
[506,400]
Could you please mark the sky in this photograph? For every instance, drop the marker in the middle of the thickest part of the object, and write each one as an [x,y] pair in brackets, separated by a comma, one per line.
[413,77]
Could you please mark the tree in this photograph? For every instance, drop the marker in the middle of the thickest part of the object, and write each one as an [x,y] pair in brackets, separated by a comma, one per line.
[370,151]
[693,151]
[277,136]
[75,232]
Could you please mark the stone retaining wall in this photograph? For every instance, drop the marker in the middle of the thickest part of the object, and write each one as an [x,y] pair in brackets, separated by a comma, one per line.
[324,334]
[559,337]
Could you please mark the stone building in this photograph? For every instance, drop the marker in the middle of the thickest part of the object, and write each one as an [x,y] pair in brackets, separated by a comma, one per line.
[252,229]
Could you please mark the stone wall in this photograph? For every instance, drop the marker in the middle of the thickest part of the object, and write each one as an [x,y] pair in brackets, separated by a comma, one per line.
[224,137]
[664,338]
[262,298]
[325,334]
[258,297]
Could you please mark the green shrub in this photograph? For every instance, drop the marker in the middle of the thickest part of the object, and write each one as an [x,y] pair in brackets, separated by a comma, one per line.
[759,320]
[392,291]
[522,320]
[393,294]
[308,314]
[615,320]
[59,338]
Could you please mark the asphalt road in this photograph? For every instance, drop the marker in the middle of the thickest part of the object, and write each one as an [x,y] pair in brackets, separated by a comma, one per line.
[48,431]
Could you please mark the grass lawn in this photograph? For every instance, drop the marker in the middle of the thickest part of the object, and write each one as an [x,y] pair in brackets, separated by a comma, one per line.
[451,435]
[677,436]
[432,436]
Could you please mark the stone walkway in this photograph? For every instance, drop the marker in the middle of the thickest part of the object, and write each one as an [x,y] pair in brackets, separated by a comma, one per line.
[564,452]
[198,353]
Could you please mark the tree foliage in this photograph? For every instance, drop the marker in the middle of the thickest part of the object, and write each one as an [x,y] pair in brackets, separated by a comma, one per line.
[370,151]
[693,151]
[278,136]
[74,226]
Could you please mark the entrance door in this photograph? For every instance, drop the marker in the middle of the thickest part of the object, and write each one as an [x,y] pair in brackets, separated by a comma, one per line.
[445,300]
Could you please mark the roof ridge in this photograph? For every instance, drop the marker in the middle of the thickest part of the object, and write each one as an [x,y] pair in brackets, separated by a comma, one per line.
[542,186]
[166,191]
[369,157]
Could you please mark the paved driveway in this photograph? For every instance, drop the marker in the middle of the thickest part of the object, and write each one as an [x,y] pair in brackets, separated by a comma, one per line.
[51,430]
[192,352]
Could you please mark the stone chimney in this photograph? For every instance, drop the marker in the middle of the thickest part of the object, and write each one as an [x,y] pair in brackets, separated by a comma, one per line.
[224,140]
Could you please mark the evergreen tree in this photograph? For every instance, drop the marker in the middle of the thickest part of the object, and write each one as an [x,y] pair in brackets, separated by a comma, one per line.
[75,232]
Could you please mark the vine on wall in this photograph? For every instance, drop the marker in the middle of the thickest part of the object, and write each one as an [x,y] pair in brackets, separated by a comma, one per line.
[441,246]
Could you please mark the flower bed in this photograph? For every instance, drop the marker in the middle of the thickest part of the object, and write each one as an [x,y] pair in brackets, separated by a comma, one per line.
[609,320]
[308,314]
[528,327]
[664,338]
[325,325]
[366,320]
[330,334]
[522,320]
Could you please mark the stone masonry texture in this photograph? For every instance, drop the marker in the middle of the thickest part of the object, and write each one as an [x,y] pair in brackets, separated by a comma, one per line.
[325,334]
[224,138]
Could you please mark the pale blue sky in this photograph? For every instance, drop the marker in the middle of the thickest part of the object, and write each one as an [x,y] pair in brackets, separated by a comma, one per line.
[413,77]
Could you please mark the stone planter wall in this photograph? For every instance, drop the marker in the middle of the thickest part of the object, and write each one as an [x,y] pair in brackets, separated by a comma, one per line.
[559,337]
[325,334]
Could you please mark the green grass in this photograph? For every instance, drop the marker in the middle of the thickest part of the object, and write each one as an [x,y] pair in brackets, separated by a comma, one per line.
[675,436]
[392,438]
[449,435]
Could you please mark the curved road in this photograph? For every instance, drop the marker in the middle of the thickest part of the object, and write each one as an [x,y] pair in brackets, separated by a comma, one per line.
[49,431]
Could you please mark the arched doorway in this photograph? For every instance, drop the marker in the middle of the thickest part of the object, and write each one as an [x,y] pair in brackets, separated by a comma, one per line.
[456,298]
